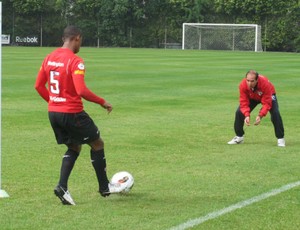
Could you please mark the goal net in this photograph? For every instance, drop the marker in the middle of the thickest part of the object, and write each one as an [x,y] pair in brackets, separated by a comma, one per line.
[209,36]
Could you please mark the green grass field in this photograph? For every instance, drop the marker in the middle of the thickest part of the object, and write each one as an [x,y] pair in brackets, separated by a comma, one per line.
[173,115]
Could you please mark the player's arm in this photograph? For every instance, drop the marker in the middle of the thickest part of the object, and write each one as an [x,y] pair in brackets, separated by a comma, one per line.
[83,91]
[266,101]
[40,85]
[244,102]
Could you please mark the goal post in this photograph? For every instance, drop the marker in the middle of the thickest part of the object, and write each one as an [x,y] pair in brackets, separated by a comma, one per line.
[212,36]
[2,192]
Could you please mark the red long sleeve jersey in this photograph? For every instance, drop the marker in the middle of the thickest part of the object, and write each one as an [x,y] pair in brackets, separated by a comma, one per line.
[262,93]
[63,72]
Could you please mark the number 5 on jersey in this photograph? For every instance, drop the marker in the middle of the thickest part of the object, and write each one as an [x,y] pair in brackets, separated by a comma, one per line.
[54,83]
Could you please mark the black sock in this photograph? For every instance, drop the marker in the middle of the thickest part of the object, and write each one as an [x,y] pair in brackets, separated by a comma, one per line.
[67,165]
[99,164]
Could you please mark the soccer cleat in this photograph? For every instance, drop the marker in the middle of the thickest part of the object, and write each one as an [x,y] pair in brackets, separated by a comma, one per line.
[112,188]
[236,140]
[281,142]
[63,195]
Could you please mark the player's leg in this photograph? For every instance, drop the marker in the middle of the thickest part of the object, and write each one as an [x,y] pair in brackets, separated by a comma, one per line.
[68,163]
[99,163]
[59,122]
[88,133]
[239,118]
[277,121]
[238,128]
[239,124]
[85,131]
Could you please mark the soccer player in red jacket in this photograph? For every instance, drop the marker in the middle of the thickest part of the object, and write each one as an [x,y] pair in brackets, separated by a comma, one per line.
[257,89]
[60,82]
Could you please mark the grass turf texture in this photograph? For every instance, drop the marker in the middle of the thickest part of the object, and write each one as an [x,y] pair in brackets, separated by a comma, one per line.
[173,115]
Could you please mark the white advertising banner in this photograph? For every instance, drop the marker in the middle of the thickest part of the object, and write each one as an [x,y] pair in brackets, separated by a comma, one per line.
[5,39]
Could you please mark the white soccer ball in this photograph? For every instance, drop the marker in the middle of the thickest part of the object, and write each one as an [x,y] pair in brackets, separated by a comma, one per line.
[125,179]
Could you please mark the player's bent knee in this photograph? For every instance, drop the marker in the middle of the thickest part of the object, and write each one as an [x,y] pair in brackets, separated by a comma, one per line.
[97,144]
[75,148]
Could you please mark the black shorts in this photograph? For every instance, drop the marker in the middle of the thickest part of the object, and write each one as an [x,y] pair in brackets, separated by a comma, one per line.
[73,128]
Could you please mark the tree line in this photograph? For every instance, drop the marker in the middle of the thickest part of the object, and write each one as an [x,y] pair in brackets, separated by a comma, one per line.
[148,23]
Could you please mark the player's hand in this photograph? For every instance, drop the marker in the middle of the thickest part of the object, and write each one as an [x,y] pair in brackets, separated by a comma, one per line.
[247,121]
[257,120]
[108,107]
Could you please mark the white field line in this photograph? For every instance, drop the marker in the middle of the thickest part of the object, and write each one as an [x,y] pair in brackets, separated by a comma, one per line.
[213,215]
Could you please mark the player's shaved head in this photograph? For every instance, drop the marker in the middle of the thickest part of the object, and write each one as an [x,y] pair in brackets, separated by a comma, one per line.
[71,32]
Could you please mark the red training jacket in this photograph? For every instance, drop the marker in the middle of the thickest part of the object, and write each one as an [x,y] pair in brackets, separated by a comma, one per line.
[63,72]
[262,93]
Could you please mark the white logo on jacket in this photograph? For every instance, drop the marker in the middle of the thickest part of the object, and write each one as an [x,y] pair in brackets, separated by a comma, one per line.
[81,66]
